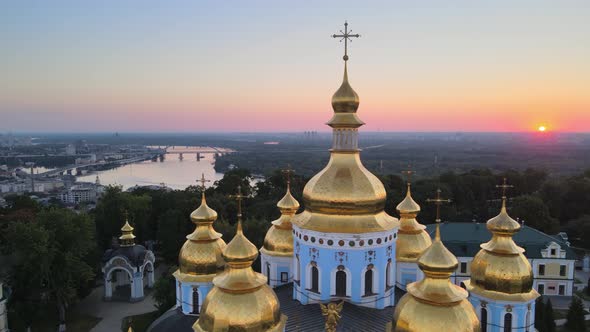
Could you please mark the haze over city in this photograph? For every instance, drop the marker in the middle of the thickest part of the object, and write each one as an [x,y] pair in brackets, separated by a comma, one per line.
[182,66]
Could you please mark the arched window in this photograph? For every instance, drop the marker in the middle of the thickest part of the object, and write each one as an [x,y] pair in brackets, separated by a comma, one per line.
[508,322]
[315,276]
[268,273]
[369,282]
[195,301]
[180,294]
[484,319]
[463,285]
[388,274]
[340,283]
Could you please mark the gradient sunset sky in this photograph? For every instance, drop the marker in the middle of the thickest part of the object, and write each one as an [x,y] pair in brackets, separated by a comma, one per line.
[194,66]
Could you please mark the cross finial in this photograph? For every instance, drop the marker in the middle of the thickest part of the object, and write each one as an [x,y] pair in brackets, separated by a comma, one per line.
[287,173]
[203,180]
[408,173]
[345,35]
[126,213]
[239,197]
[504,186]
[438,201]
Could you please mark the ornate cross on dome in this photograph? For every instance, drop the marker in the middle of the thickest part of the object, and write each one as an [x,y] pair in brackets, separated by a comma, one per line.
[203,181]
[504,186]
[239,197]
[346,35]
[408,173]
[438,201]
[287,173]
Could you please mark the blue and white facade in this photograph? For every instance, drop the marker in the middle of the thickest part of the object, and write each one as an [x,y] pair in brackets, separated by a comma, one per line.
[277,269]
[500,316]
[190,293]
[357,268]
[407,273]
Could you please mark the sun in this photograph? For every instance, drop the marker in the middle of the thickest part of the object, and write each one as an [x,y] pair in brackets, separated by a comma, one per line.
[542,128]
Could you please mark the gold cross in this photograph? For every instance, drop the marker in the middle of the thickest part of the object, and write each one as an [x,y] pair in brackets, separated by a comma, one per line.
[504,186]
[287,172]
[408,172]
[345,35]
[203,181]
[239,197]
[438,201]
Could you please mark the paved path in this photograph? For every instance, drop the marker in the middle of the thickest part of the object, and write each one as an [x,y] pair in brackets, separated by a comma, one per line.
[112,313]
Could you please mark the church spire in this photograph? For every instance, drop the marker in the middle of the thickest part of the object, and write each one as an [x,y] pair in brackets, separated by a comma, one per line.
[434,301]
[127,238]
[240,299]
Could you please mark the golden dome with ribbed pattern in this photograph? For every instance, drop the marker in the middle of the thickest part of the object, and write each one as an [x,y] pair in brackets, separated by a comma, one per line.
[412,239]
[500,270]
[279,238]
[435,304]
[240,299]
[200,258]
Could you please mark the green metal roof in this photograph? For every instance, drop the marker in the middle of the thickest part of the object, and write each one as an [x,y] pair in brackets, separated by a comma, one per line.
[464,239]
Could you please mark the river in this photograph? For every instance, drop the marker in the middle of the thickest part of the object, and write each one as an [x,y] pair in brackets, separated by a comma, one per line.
[172,172]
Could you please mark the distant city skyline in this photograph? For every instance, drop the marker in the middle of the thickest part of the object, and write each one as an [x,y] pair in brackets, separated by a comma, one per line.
[183,66]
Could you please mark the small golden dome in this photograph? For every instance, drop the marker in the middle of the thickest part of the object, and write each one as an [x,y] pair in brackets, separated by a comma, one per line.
[127,238]
[412,239]
[279,238]
[345,103]
[408,205]
[500,270]
[345,99]
[434,303]
[240,299]
[240,249]
[200,256]
[288,203]
[203,212]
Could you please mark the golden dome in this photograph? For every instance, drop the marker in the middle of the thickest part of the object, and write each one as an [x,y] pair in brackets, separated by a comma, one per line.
[127,238]
[434,303]
[200,257]
[279,238]
[345,197]
[345,103]
[240,299]
[500,270]
[412,239]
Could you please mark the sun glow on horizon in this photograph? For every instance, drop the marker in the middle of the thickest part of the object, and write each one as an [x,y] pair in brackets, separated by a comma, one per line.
[542,128]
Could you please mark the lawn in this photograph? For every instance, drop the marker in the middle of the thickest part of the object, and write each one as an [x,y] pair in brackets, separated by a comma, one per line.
[140,323]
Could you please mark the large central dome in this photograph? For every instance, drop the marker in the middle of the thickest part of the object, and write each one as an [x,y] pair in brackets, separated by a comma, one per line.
[345,197]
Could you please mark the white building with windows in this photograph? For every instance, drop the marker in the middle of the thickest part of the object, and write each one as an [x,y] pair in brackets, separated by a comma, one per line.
[551,258]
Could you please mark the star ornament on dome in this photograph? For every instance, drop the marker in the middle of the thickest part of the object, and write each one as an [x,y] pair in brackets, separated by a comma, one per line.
[346,36]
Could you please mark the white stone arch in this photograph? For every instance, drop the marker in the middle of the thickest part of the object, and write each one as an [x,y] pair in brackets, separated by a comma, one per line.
[308,281]
[389,274]
[333,280]
[375,280]
[150,272]
[108,284]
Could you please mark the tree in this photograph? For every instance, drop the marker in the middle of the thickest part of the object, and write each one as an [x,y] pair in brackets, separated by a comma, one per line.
[165,291]
[172,232]
[53,254]
[575,316]
[549,317]
[534,212]
[539,315]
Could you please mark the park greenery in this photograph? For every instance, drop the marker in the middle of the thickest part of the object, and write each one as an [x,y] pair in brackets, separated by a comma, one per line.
[54,253]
